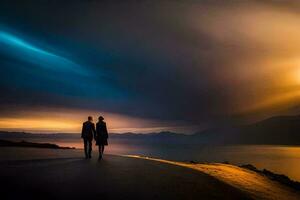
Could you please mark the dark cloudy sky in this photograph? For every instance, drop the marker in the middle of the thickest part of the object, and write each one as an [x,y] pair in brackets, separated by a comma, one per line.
[147,65]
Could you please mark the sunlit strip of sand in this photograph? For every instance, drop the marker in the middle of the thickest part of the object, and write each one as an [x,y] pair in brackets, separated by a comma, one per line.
[257,185]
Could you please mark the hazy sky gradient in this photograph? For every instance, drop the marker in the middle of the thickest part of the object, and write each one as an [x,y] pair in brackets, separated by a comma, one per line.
[147,66]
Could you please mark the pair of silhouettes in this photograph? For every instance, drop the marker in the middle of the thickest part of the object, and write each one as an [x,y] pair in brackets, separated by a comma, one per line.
[90,132]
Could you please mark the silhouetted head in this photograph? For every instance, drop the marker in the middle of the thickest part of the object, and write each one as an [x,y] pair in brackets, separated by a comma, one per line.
[101,118]
[90,118]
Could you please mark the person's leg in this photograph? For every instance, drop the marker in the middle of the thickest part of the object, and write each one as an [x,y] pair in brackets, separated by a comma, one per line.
[100,152]
[90,148]
[85,148]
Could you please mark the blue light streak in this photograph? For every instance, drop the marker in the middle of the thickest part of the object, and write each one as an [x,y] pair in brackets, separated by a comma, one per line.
[26,51]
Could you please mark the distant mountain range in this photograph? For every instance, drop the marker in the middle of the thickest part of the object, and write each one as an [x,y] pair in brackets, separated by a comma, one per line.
[275,130]
[150,137]
[283,130]
[164,134]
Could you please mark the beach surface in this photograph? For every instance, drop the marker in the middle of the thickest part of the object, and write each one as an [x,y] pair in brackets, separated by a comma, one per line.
[64,174]
[256,185]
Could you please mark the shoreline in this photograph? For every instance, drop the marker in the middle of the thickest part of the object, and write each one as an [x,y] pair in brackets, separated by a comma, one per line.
[256,183]
[26,144]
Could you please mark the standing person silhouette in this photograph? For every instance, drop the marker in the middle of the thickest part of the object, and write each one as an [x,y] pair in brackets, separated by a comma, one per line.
[87,133]
[101,136]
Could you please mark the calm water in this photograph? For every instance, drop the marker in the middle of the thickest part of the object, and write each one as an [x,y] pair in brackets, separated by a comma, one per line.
[280,159]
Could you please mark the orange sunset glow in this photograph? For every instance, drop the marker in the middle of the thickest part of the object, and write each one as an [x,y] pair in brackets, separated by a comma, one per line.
[70,121]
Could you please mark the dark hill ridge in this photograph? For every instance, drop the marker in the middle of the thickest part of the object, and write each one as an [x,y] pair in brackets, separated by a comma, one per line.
[284,130]
[6,143]
[275,130]
[16,135]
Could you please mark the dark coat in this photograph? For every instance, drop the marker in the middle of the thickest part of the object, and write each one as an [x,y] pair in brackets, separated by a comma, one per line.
[88,130]
[101,133]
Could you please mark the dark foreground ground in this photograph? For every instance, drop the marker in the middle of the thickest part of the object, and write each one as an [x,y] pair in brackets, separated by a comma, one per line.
[115,177]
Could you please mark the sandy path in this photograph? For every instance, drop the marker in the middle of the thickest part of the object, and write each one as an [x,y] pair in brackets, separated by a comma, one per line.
[115,177]
[256,185]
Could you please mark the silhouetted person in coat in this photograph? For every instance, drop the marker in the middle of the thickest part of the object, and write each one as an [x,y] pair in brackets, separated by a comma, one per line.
[87,133]
[101,136]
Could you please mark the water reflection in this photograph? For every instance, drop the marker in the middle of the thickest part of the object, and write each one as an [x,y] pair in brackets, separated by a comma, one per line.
[280,159]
